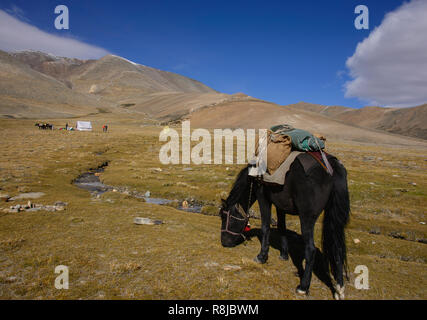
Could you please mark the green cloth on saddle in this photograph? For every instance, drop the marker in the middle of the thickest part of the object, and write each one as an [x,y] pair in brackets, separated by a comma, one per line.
[301,140]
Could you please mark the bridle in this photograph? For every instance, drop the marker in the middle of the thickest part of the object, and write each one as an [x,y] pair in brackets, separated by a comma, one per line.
[230,216]
[243,213]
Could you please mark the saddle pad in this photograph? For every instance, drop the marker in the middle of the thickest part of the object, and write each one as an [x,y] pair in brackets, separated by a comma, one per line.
[279,175]
[310,159]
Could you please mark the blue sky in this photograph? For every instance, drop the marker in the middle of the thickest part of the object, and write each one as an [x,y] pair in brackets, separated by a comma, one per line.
[280,51]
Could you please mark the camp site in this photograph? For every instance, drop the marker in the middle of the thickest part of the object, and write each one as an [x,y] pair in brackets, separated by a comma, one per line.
[213,152]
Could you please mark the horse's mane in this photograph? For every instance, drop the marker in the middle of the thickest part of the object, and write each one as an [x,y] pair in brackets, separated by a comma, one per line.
[238,188]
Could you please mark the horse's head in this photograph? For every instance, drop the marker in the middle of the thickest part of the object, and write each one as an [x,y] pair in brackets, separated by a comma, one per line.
[233,223]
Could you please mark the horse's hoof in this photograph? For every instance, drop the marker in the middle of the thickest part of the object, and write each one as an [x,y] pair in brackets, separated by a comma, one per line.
[258,260]
[301,292]
[338,296]
[284,257]
[339,292]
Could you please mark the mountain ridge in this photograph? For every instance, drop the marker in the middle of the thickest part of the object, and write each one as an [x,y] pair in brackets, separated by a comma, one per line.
[39,85]
[410,121]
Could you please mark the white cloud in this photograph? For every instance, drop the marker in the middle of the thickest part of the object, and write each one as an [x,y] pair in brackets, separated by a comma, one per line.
[389,68]
[17,35]
[17,12]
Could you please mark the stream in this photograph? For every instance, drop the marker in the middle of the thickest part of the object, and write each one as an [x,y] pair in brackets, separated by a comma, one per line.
[90,181]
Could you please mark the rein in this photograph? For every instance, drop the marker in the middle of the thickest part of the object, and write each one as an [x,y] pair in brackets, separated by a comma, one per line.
[243,213]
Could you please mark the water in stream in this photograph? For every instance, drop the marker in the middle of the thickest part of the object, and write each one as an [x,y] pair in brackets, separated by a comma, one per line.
[90,181]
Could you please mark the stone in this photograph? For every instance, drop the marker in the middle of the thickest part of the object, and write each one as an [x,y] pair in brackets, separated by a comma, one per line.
[375,231]
[147,221]
[29,195]
[211,264]
[11,279]
[147,194]
[356,241]
[60,203]
[182,184]
[229,267]
[369,158]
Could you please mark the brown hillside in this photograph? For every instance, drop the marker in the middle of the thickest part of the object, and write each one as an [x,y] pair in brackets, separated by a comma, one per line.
[259,114]
[112,75]
[26,93]
[39,85]
[404,121]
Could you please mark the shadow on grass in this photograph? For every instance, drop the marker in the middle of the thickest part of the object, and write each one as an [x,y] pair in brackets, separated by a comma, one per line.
[296,253]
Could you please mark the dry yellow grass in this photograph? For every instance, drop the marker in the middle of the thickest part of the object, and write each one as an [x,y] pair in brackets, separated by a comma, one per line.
[109,257]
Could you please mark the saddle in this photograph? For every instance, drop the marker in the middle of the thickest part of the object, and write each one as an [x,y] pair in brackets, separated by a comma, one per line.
[310,159]
[285,144]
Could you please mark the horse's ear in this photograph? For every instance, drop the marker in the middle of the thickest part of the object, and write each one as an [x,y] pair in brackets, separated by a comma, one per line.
[223,203]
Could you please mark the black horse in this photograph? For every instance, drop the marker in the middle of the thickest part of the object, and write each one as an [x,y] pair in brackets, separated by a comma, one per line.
[306,195]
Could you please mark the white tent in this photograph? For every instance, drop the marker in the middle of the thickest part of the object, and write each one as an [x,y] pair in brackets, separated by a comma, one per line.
[84,126]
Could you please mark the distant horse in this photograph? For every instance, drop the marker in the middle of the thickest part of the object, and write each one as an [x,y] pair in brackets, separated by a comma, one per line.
[44,126]
[306,195]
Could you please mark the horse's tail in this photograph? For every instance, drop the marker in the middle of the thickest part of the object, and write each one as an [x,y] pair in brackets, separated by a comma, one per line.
[337,214]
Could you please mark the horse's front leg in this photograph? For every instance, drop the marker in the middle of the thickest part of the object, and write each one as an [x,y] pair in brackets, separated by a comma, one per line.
[265,208]
[281,227]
